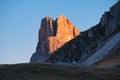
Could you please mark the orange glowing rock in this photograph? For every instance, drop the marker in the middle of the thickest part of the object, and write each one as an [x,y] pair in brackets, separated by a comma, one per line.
[54,34]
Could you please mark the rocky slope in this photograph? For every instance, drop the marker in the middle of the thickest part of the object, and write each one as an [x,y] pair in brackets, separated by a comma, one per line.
[52,35]
[112,60]
[90,42]
[103,51]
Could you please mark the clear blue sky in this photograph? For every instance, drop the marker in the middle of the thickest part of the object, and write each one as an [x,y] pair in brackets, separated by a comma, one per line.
[20,22]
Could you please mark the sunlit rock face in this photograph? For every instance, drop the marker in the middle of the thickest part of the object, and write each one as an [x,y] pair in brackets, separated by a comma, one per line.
[52,35]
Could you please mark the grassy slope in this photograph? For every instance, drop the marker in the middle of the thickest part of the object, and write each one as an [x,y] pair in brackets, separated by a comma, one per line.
[47,71]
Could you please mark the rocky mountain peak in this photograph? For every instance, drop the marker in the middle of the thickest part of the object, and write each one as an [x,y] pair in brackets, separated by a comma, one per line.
[61,18]
[52,35]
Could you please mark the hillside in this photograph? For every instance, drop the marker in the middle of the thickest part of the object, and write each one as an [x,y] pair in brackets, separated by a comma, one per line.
[103,51]
[48,71]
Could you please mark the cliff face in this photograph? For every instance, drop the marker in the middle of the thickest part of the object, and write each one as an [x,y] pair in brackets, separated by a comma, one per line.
[111,20]
[52,35]
[92,41]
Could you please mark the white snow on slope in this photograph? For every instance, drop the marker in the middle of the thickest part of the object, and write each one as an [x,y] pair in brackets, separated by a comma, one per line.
[102,52]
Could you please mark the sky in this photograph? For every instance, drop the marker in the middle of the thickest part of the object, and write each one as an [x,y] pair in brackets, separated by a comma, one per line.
[20,21]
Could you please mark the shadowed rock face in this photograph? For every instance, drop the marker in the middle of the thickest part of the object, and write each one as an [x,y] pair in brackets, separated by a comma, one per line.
[111,20]
[52,35]
[91,40]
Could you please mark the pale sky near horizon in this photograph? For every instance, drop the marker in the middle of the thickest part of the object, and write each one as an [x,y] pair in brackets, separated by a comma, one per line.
[20,22]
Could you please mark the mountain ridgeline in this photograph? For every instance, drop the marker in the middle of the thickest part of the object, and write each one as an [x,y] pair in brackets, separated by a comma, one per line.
[60,41]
